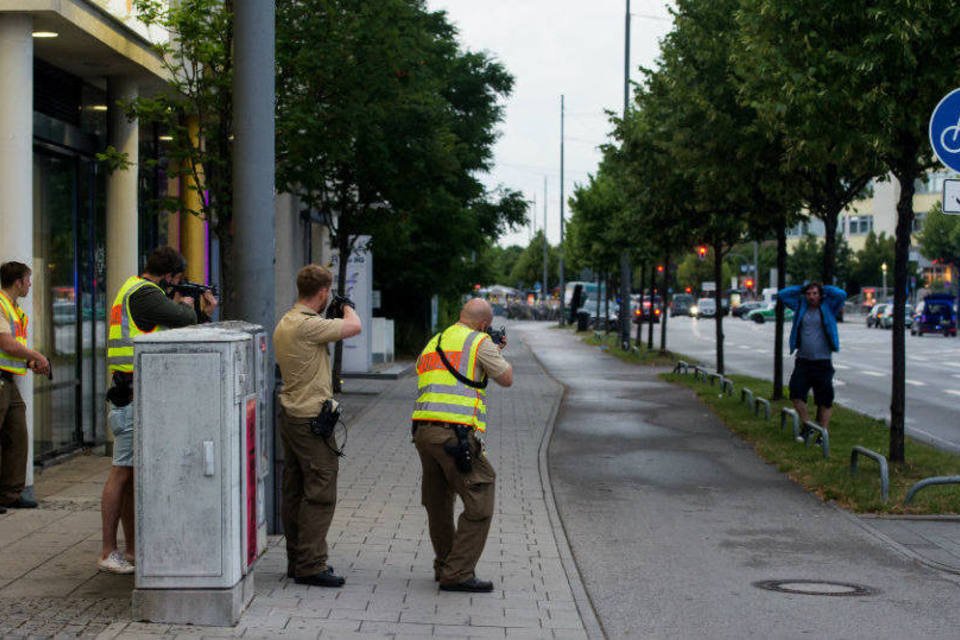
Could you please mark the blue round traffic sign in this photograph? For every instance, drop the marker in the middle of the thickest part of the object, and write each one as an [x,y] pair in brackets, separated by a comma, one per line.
[945,130]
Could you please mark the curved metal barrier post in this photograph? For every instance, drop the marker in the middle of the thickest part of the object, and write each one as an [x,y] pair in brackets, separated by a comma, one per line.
[884,472]
[929,482]
[745,394]
[786,411]
[809,426]
[726,384]
[757,403]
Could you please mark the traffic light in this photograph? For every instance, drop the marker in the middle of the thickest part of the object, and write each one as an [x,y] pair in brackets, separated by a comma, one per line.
[702,252]
[659,268]
[748,283]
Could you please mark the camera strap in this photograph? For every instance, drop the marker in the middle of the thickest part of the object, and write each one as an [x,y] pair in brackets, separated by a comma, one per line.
[456,374]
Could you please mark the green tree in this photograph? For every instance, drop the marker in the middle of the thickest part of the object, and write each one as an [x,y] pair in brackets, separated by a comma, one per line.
[528,268]
[196,113]
[384,125]
[940,239]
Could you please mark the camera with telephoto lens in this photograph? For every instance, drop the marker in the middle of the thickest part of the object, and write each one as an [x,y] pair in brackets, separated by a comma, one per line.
[499,336]
[335,309]
[193,290]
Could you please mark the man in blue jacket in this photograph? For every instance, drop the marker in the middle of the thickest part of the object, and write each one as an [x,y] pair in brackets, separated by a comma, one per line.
[814,338]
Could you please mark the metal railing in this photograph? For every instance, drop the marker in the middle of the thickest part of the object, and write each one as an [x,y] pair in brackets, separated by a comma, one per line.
[784,413]
[929,482]
[809,427]
[761,402]
[884,471]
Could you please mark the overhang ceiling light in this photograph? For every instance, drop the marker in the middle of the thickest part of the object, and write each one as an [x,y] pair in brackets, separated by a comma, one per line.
[45,34]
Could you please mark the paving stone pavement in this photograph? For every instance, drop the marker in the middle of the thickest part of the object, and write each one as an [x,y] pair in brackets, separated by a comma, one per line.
[379,542]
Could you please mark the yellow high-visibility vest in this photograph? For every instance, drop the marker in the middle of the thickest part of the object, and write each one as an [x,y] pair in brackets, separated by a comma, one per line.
[122,327]
[442,397]
[18,322]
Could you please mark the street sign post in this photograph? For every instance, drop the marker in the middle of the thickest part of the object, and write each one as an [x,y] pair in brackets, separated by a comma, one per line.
[951,196]
[945,130]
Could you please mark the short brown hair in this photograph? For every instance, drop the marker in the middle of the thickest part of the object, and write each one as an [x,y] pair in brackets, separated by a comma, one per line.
[163,260]
[311,279]
[10,272]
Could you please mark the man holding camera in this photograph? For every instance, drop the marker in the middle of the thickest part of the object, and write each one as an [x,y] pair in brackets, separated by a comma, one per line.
[140,306]
[15,358]
[310,460]
[449,420]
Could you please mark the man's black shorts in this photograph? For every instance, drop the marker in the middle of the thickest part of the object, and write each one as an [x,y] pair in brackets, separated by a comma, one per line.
[816,375]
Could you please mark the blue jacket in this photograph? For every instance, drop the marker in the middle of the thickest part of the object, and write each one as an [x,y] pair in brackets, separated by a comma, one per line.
[830,306]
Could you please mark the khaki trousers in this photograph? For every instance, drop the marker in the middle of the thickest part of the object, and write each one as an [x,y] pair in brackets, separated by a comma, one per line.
[457,550]
[309,495]
[13,442]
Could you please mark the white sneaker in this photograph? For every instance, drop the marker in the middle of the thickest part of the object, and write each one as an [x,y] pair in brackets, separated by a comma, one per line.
[115,563]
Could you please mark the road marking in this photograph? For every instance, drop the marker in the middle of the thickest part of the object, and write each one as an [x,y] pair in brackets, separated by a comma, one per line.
[840,366]
[876,374]
[953,392]
[916,383]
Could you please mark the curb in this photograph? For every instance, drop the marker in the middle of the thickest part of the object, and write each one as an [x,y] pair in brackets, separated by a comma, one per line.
[588,615]
[898,547]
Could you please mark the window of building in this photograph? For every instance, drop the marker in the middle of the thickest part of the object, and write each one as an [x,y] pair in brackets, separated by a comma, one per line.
[919,217]
[860,225]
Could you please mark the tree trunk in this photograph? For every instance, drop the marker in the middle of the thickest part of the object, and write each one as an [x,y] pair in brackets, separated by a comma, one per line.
[829,217]
[778,332]
[343,251]
[902,253]
[639,339]
[653,297]
[718,296]
[664,305]
[606,303]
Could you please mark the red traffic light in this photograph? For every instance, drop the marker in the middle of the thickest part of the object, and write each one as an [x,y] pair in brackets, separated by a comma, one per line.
[688,290]
[748,283]
[702,252]
[659,268]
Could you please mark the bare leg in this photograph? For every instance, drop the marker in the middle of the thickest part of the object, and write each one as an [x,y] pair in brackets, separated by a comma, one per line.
[127,520]
[111,505]
[823,416]
[801,407]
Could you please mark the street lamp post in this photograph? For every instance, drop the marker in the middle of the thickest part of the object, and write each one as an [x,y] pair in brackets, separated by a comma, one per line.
[883,268]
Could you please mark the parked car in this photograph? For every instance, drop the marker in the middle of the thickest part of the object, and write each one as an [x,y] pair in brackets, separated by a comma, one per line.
[705,308]
[873,318]
[597,318]
[935,314]
[742,310]
[769,312]
[886,320]
[680,305]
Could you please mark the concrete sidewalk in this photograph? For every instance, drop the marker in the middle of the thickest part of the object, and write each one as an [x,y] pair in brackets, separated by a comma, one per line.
[49,586]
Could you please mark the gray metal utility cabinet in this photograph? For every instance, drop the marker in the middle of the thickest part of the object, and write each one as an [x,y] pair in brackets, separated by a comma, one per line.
[198,407]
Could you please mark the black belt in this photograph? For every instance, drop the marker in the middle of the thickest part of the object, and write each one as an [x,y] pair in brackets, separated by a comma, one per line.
[6,375]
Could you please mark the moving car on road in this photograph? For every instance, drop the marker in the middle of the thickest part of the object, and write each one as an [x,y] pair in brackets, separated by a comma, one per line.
[680,305]
[742,310]
[873,318]
[886,319]
[769,313]
[935,315]
[705,308]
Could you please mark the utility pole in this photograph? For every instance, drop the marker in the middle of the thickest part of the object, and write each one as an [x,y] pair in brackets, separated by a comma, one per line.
[756,269]
[253,184]
[545,245]
[562,282]
[625,254]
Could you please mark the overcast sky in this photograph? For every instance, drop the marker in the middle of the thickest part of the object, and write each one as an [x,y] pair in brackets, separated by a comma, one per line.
[554,47]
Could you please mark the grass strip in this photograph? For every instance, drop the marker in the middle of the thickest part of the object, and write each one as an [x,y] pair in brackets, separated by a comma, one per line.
[610,342]
[831,479]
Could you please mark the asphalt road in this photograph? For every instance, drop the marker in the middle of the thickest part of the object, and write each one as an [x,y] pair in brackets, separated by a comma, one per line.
[863,366]
[673,521]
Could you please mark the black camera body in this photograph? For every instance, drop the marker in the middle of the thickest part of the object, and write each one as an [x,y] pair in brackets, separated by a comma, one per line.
[193,290]
[498,336]
[335,308]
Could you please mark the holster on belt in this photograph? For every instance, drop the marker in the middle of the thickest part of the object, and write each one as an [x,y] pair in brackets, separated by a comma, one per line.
[120,393]
[460,450]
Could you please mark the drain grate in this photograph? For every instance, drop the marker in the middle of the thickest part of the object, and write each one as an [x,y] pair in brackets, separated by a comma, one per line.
[816,588]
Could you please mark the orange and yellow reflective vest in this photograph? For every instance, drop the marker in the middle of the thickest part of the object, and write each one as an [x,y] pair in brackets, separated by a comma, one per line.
[18,323]
[442,397]
[122,327]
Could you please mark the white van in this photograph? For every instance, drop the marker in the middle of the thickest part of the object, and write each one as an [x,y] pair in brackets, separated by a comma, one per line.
[706,308]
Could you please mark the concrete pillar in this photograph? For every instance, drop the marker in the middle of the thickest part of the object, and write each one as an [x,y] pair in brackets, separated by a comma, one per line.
[123,215]
[122,211]
[193,237]
[16,170]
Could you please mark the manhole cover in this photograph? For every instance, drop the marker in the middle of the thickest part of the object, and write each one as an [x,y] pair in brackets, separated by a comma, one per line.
[816,587]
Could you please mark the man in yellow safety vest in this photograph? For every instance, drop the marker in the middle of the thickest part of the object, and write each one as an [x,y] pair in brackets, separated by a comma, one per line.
[449,420]
[15,359]
[140,306]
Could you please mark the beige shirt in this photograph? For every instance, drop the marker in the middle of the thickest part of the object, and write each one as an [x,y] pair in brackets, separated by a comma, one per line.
[300,344]
[5,324]
[490,358]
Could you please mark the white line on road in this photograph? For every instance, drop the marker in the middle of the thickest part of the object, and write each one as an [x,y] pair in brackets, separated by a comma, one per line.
[916,383]
[841,366]
[876,374]
[953,392]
